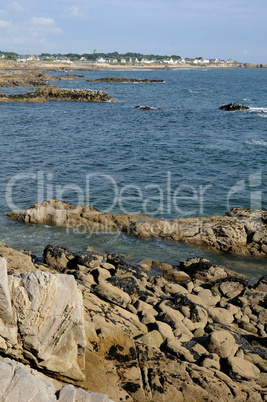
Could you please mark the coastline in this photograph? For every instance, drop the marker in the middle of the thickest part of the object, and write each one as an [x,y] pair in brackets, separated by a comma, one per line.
[186,330]
[85,66]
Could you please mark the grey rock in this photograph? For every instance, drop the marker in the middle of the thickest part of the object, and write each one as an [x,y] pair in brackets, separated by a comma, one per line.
[70,394]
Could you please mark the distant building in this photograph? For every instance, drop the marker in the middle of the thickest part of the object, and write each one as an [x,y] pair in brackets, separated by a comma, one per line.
[146,61]
[100,60]
[2,56]
[82,59]
[111,60]
[95,51]
[133,60]
[122,61]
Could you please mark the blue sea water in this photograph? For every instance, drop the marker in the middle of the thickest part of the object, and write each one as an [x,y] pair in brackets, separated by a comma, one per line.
[187,159]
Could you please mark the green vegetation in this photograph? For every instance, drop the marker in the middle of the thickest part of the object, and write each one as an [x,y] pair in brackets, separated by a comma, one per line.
[113,55]
[10,55]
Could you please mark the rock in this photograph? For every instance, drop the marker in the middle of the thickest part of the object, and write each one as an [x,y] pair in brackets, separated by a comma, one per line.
[233,107]
[222,343]
[191,307]
[17,384]
[60,258]
[111,293]
[164,329]
[173,288]
[24,78]
[153,338]
[147,107]
[70,394]
[145,264]
[220,315]
[49,322]
[6,312]
[261,285]
[16,260]
[90,259]
[211,362]
[20,383]
[202,269]
[241,369]
[161,266]
[230,287]
[239,231]
[50,93]
[209,299]
[177,276]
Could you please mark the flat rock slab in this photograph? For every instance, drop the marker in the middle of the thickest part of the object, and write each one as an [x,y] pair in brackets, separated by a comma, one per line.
[239,231]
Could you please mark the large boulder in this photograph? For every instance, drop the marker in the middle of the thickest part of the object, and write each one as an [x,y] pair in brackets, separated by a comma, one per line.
[41,321]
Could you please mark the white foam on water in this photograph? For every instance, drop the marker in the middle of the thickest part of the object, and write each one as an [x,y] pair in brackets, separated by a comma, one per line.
[262,143]
[258,109]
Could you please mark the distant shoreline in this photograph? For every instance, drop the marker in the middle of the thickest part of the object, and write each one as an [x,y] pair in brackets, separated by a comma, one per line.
[84,66]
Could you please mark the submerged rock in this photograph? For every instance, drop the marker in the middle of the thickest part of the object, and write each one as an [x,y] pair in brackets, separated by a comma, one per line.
[147,107]
[231,107]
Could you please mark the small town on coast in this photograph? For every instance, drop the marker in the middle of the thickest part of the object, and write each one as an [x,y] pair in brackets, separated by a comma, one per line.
[116,60]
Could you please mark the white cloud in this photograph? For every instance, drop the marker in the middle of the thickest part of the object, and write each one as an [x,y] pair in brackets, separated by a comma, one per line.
[44,25]
[14,9]
[75,12]
[245,52]
[5,24]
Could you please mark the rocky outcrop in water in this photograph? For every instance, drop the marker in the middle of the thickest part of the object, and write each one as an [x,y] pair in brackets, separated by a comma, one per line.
[124,79]
[239,231]
[31,78]
[147,337]
[232,107]
[147,107]
[23,78]
[50,93]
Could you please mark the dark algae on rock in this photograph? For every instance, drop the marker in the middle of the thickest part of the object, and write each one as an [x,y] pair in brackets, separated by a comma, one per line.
[51,93]
[232,107]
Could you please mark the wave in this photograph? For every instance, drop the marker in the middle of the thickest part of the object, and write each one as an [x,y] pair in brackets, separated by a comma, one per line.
[262,143]
[258,109]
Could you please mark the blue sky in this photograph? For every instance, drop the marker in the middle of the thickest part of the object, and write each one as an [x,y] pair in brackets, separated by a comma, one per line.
[190,28]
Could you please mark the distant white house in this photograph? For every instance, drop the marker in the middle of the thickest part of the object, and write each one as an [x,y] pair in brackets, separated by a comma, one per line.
[146,61]
[100,60]
[168,61]
[133,60]
[122,61]
[82,59]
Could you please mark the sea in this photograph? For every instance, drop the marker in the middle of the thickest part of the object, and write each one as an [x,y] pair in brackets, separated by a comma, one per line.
[183,158]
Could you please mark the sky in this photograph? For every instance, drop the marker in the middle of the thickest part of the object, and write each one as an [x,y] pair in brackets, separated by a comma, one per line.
[188,28]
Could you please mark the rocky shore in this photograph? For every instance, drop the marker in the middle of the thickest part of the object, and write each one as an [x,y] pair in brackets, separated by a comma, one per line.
[238,231]
[98,323]
[51,93]
[124,79]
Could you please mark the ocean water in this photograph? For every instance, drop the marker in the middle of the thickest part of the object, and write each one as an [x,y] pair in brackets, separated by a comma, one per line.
[187,159]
